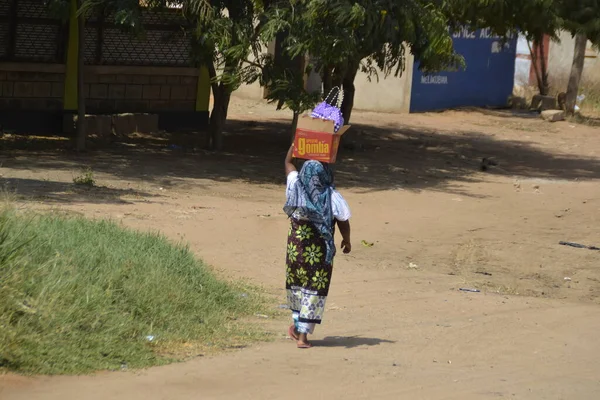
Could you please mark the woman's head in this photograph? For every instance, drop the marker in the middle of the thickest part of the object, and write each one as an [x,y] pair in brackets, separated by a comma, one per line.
[315,174]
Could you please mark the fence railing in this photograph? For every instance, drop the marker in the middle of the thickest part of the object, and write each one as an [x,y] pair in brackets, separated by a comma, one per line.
[28,33]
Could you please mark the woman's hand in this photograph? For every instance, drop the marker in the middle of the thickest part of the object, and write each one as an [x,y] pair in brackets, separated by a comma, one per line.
[345,231]
[346,246]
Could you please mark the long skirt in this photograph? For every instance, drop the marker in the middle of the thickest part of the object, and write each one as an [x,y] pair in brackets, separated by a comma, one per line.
[308,275]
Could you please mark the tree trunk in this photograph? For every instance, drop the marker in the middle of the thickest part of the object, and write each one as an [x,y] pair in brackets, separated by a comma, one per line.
[218,116]
[576,72]
[216,132]
[540,68]
[545,87]
[534,64]
[294,125]
[81,130]
[212,74]
[349,91]
[226,101]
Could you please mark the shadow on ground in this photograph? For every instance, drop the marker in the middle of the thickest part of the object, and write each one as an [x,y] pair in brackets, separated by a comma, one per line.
[349,342]
[61,192]
[504,113]
[371,158]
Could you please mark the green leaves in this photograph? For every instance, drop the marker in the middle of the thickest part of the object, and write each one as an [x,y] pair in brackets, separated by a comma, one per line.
[581,16]
[342,36]
[338,32]
[534,18]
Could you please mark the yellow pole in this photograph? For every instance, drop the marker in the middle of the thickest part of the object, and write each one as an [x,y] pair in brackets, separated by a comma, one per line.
[70,98]
[203,90]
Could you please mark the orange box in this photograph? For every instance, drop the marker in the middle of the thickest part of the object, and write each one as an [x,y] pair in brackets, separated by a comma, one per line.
[315,139]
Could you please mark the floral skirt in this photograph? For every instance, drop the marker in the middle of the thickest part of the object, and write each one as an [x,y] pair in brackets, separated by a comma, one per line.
[308,274]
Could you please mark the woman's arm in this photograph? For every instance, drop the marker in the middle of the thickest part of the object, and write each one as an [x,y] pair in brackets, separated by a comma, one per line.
[344,227]
[289,161]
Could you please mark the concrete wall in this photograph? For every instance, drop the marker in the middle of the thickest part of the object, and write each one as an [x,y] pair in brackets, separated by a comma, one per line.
[123,73]
[522,63]
[40,87]
[487,81]
[140,89]
[389,94]
[386,95]
[31,86]
[255,91]
[251,92]
[32,94]
[560,59]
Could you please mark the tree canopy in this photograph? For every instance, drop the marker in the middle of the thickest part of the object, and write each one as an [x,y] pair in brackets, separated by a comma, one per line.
[342,37]
[581,17]
[374,36]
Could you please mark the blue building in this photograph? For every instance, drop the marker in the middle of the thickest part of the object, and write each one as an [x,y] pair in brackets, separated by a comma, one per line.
[486,81]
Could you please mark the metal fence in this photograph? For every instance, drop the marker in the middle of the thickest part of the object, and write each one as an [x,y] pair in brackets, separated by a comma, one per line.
[164,42]
[28,33]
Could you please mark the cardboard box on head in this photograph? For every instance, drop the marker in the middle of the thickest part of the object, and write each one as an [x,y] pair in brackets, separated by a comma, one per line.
[316,139]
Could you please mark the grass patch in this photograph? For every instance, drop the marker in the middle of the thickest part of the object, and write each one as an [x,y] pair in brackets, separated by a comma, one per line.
[86,178]
[78,296]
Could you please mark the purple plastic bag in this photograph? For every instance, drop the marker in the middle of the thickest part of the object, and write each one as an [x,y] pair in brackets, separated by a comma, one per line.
[327,111]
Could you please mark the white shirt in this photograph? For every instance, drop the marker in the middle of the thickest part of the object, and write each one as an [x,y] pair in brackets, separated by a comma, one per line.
[339,206]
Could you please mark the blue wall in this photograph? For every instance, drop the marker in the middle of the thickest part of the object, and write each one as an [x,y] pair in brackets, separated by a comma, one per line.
[487,80]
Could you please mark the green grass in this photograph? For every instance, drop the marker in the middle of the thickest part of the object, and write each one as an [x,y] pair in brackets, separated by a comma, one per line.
[85,179]
[78,296]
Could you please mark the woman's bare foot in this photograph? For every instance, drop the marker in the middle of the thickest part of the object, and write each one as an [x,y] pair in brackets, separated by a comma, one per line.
[292,332]
[303,342]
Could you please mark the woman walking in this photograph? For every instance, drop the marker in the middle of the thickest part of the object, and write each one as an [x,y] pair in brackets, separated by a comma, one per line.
[314,208]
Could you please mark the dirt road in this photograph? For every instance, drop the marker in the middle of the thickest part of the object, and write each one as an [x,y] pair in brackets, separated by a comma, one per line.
[396,325]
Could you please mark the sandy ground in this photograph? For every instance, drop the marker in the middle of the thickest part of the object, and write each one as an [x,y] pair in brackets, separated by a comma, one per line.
[396,325]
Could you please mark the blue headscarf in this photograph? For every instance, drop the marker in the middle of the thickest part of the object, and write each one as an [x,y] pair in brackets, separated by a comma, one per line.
[311,198]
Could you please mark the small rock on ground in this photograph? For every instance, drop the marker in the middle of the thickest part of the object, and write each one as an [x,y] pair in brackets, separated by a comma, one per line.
[553,115]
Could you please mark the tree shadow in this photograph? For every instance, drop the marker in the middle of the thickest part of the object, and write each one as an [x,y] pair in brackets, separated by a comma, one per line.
[349,342]
[53,192]
[587,120]
[396,156]
[504,113]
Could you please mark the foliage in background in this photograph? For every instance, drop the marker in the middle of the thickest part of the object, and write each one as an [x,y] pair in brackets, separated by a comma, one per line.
[78,296]
[582,19]
[532,18]
[536,18]
[343,37]
[227,41]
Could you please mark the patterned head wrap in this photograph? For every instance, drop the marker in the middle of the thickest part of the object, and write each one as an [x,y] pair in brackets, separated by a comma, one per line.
[311,198]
